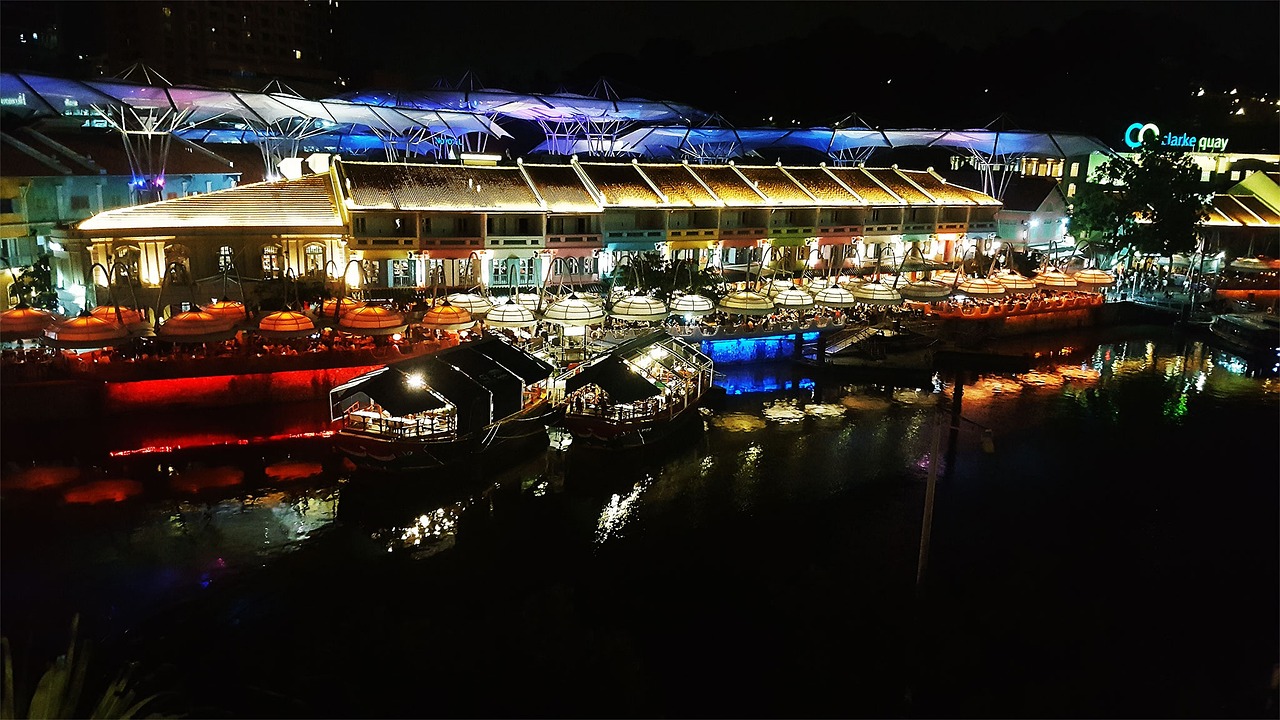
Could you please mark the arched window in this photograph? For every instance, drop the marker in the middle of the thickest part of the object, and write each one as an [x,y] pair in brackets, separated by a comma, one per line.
[226,258]
[372,271]
[313,259]
[126,267]
[179,254]
[271,263]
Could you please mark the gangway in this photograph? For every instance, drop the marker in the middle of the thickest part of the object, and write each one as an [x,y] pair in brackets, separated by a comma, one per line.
[842,340]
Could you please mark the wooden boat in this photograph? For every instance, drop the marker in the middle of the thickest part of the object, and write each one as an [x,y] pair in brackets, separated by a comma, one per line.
[1254,335]
[438,409]
[637,394]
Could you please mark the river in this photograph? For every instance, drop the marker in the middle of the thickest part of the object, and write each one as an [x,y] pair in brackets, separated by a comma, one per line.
[1104,545]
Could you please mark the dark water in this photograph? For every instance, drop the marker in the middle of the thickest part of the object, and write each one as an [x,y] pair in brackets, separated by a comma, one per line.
[1116,555]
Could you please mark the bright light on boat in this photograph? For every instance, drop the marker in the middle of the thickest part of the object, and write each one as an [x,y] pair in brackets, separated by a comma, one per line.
[416,381]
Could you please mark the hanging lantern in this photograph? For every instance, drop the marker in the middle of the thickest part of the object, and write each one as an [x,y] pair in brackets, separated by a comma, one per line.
[924,290]
[227,309]
[775,286]
[949,278]
[332,309]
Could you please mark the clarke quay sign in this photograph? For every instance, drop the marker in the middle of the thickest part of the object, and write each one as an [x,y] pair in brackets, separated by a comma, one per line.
[1137,133]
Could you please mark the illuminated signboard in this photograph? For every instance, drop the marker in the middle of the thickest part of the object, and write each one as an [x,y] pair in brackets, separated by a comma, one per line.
[1139,132]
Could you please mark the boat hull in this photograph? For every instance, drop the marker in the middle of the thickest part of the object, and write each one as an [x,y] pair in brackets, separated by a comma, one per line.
[599,432]
[375,452]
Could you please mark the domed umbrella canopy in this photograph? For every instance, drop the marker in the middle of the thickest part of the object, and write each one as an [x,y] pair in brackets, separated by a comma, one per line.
[981,287]
[573,310]
[84,332]
[227,309]
[195,326]
[876,293]
[448,317]
[1094,277]
[371,320]
[849,282]
[692,305]
[817,284]
[948,277]
[477,305]
[1055,279]
[746,302]
[640,308]
[529,300]
[1014,280]
[24,322]
[836,297]
[510,314]
[924,290]
[775,286]
[793,299]
[286,324]
[333,310]
[134,320]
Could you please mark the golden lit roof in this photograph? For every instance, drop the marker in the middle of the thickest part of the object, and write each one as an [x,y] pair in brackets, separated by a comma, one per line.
[1237,212]
[621,184]
[561,188]
[866,188]
[1259,208]
[900,186]
[776,186]
[303,203]
[728,185]
[413,186]
[680,186]
[823,185]
[939,189]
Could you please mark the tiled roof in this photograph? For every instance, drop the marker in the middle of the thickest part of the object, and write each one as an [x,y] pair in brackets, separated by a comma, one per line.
[775,185]
[680,186]
[1218,212]
[1239,211]
[939,189]
[862,184]
[404,186]
[561,188]
[303,203]
[728,185]
[621,184]
[823,186]
[900,186]
[1259,208]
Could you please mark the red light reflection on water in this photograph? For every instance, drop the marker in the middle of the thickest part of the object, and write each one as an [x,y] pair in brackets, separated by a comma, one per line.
[103,491]
[210,440]
[193,481]
[293,470]
[41,477]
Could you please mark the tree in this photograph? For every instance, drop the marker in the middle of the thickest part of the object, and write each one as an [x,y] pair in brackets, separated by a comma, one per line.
[34,285]
[1151,204]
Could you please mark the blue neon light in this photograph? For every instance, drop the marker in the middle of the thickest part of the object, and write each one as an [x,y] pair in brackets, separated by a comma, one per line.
[750,350]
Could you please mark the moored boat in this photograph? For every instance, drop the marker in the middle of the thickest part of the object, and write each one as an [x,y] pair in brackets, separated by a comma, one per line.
[437,409]
[636,394]
[1254,335]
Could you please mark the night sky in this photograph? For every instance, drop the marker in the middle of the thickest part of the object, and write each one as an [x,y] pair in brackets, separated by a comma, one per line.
[1090,67]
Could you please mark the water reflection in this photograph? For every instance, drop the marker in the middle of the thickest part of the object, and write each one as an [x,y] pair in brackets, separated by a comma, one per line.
[781,441]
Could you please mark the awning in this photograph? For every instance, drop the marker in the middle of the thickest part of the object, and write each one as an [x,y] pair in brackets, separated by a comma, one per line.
[788,241]
[698,244]
[616,379]
[451,253]
[740,242]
